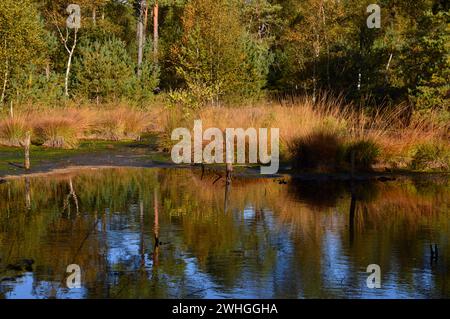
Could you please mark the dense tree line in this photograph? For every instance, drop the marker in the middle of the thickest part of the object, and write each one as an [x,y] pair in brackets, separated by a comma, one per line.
[216,51]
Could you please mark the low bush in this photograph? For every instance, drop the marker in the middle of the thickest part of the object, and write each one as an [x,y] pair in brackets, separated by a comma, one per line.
[365,154]
[317,150]
[431,156]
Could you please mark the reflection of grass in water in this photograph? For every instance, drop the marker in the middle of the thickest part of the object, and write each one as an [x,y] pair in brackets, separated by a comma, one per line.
[388,217]
[52,236]
[120,186]
[394,215]
[413,195]
[298,206]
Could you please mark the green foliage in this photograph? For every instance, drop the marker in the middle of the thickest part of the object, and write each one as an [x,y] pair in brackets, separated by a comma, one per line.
[430,79]
[113,19]
[256,67]
[230,51]
[326,45]
[32,85]
[217,58]
[21,39]
[143,86]
[183,100]
[103,70]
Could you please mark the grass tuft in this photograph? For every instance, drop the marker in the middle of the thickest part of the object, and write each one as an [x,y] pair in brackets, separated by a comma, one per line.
[365,154]
[121,123]
[431,156]
[318,150]
[13,130]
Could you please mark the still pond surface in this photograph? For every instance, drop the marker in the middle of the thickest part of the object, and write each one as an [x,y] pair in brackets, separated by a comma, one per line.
[172,233]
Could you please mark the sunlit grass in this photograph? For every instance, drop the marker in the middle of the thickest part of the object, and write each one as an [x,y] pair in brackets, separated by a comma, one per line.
[393,143]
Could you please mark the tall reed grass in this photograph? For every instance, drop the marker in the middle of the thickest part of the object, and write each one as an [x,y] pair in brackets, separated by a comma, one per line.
[321,134]
[316,135]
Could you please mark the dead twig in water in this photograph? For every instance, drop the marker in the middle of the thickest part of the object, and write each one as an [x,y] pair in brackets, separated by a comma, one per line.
[16,165]
[217,179]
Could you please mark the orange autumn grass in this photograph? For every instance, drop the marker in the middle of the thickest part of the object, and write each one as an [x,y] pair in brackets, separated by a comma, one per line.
[63,128]
[303,121]
[300,122]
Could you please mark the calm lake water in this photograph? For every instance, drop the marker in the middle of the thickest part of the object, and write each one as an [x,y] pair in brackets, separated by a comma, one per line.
[171,233]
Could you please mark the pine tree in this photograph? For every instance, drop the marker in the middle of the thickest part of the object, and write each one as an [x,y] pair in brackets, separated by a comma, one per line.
[103,71]
[21,39]
[426,62]
[217,57]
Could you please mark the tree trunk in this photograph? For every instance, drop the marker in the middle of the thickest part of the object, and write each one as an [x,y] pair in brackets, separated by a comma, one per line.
[47,71]
[145,21]
[155,30]
[69,65]
[94,16]
[66,80]
[5,82]
[26,147]
[140,36]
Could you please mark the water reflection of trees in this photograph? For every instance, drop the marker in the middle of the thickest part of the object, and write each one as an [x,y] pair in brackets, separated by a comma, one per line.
[275,240]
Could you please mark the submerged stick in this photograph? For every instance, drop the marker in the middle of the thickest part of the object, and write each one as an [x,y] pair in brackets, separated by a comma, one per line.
[27,193]
[156,229]
[229,172]
[74,195]
[16,165]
